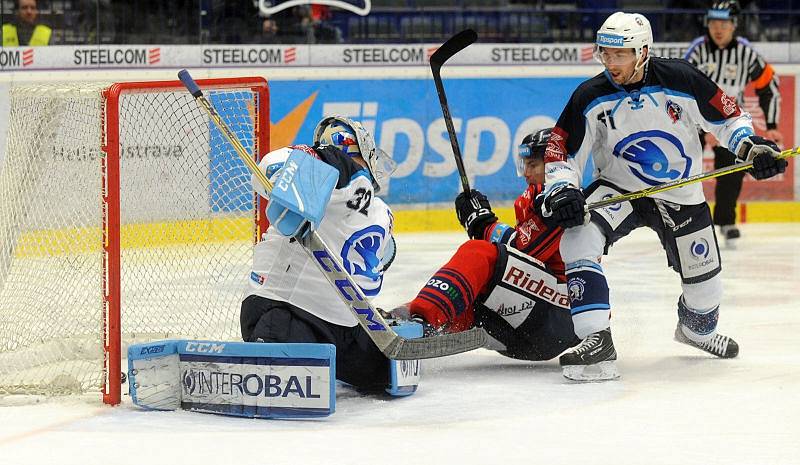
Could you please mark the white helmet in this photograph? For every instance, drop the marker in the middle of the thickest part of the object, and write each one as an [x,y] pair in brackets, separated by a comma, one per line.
[626,30]
[351,137]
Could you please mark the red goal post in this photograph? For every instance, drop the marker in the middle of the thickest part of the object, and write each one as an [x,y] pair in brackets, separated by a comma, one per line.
[127,194]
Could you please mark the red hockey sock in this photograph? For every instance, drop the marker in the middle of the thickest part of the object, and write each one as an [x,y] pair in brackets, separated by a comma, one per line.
[450,294]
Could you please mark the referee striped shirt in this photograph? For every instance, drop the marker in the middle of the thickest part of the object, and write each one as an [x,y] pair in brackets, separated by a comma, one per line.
[733,67]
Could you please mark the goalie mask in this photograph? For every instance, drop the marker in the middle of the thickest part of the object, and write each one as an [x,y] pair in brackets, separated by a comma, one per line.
[351,137]
[533,146]
[625,30]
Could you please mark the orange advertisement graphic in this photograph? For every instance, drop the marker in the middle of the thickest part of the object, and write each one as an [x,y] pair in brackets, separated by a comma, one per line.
[780,187]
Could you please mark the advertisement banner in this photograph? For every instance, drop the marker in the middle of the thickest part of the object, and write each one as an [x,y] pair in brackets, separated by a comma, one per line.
[275,55]
[491,116]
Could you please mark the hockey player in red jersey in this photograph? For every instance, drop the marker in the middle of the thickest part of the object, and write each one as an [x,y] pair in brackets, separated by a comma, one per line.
[508,280]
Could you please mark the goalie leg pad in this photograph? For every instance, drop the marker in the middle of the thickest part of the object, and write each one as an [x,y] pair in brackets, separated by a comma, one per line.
[253,380]
[404,374]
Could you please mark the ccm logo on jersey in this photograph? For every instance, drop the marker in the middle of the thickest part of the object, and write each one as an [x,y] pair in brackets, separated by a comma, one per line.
[522,280]
[205,347]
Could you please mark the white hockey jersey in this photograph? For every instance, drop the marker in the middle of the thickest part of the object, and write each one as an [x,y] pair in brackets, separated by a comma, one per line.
[644,137]
[357,227]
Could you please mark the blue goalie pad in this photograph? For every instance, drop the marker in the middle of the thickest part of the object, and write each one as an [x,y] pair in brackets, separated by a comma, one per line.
[253,380]
[404,375]
[301,193]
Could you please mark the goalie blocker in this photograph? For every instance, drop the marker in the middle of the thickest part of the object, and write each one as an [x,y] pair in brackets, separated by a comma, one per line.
[254,380]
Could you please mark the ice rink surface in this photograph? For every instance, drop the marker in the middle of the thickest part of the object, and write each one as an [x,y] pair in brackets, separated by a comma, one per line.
[673,404]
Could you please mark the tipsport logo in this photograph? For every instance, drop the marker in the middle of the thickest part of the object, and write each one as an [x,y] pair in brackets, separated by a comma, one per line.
[610,40]
[654,156]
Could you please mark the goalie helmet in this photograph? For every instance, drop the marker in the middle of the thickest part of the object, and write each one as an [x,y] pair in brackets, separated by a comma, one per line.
[625,30]
[351,137]
[533,146]
[725,10]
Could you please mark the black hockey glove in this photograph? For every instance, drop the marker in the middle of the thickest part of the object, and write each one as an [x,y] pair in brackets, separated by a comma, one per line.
[566,206]
[474,213]
[763,153]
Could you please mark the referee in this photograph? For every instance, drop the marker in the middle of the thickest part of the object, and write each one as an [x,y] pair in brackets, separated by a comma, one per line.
[732,63]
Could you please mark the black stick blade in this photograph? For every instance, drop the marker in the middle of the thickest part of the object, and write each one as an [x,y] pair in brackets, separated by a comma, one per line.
[453,45]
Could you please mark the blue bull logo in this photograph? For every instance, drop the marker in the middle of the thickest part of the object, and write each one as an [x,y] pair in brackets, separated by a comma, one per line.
[360,257]
[654,156]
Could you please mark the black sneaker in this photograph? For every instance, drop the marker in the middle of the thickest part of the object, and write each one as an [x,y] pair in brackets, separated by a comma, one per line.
[731,233]
[719,345]
[594,359]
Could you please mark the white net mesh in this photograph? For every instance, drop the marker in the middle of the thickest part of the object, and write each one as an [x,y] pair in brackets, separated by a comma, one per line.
[186,228]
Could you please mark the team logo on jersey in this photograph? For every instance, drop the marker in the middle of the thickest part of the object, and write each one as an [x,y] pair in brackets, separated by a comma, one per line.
[700,249]
[525,231]
[725,104]
[674,111]
[576,287]
[360,257]
[556,145]
[654,156]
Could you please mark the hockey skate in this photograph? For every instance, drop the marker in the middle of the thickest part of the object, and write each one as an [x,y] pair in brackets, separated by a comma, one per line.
[731,234]
[719,345]
[594,359]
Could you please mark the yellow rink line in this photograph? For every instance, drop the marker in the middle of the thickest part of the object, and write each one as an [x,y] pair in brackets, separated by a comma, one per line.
[161,234]
[87,240]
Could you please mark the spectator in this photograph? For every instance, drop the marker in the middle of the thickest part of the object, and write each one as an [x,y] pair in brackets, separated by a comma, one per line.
[24,29]
[294,25]
[324,33]
[236,22]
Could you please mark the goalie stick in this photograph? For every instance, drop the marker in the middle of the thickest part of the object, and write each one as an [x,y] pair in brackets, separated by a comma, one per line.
[452,46]
[681,182]
[385,338]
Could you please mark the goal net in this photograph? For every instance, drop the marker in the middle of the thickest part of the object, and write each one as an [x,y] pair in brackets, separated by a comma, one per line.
[124,217]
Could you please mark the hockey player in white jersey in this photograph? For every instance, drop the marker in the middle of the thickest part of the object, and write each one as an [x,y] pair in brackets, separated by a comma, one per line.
[635,126]
[289,299]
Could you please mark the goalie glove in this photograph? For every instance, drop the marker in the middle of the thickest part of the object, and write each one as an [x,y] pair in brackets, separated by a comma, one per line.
[474,213]
[764,155]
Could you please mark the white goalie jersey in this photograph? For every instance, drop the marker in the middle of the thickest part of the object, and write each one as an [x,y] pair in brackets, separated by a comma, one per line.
[357,228]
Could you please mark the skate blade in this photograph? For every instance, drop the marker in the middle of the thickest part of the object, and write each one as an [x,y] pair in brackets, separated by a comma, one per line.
[602,371]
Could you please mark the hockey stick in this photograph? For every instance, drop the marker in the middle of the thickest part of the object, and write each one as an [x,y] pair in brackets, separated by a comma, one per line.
[452,46]
[390,343]
[681,182]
